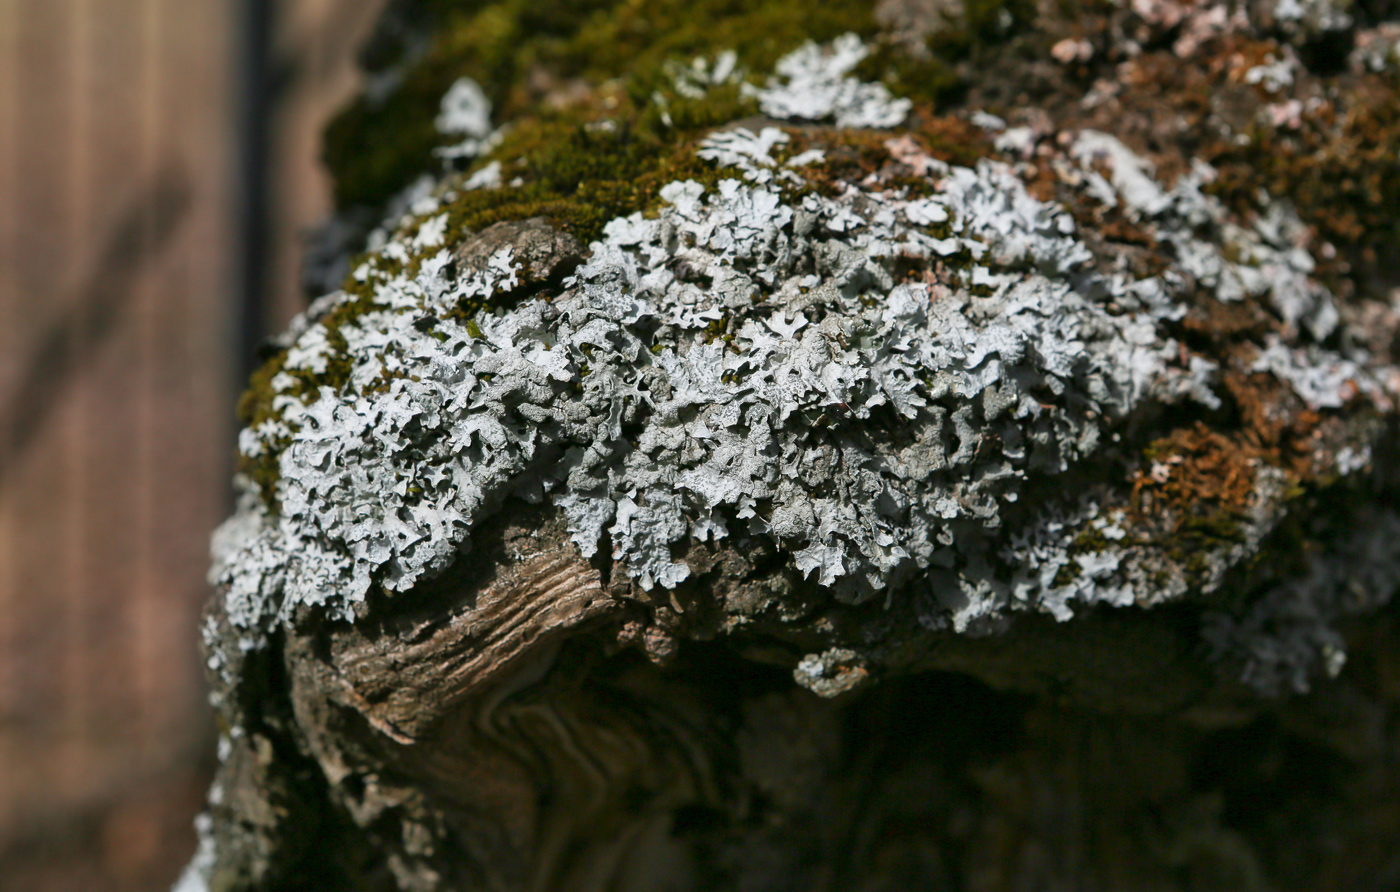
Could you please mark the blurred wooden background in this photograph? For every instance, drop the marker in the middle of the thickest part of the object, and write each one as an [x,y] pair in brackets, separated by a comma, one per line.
[120,270]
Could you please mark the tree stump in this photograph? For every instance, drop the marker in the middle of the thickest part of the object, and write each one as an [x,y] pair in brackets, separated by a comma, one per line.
[921,446]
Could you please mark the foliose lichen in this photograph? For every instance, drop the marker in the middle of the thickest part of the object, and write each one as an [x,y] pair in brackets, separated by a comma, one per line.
[865,372]
[1120,345]
[1284,635]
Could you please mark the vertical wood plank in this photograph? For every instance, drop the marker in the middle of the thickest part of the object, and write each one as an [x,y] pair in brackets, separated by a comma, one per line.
[117,263]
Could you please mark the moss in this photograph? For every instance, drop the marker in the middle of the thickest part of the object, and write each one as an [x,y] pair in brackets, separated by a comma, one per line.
[1200,534]
[1317,512]
[255,404]
[931,79]
[638,38]
[1196,491]
[254,408]
[1091,540]
[985,24]
[375,148]
[937,76]
[854,155]
[580,175]
[1340,168]
[519,50]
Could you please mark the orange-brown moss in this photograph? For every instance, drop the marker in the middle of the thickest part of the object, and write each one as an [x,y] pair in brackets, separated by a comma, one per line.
[1341,167]
[1213,322]
[1194,492]
[851,156]
[1193,471]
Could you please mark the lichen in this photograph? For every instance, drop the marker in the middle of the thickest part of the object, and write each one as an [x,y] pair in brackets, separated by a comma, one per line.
[1004,367]
[813,84]
[860,344]
[943,323]
[1285,634]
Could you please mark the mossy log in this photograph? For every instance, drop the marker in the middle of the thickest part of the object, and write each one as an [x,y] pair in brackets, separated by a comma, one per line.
[937,444]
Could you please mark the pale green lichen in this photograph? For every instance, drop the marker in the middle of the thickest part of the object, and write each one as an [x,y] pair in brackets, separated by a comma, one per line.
[437,418]
[746,318]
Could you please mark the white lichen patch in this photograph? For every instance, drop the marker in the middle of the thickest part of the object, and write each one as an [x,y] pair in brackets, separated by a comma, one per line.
[1268,260]
[1311,18]
[1274,74]
[693,81]
[1377,49]
[195,876]
[865,424]
[1050,571]
[1290,631]
[814,83]
[752,154]
[465,113]
[1132,176]
[865,378]
[465,110]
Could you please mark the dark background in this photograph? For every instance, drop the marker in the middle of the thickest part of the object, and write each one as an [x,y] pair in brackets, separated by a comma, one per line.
[158,170]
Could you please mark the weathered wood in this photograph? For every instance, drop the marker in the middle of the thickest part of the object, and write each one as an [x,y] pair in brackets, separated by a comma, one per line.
[892,496]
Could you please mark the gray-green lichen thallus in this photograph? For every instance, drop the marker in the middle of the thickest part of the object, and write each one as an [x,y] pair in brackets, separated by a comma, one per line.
[701,289]
[867,375]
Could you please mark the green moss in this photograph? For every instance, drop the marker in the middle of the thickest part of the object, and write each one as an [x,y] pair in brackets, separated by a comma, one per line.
[512,47]
[637,38]
[255,407]
[373,149]
[1198,536]
[1216,526]
[584,166]
[518,50]
[255,404]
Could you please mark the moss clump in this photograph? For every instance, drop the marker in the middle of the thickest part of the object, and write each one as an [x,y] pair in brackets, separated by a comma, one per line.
[961,44]
[254,408]
[637,39]
[1192,546]
[1091,540]
[1199,483]
[580,174]
[521,51]
[377,146]
[518,49]
[852,156]
[1193,469]
[984,25]
[1340,168]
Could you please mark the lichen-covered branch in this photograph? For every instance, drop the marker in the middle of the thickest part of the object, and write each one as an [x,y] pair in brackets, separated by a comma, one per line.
[706,416]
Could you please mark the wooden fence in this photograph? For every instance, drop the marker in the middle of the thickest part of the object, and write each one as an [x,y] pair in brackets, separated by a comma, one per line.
[119,267]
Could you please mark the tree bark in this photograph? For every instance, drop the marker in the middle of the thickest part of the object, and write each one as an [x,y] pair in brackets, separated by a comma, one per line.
[1161,657]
